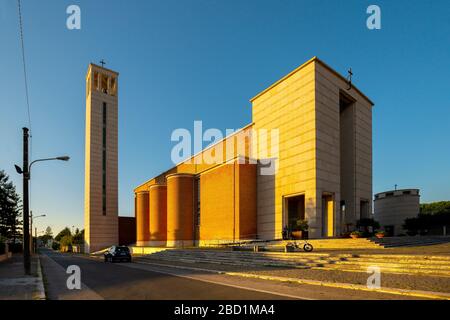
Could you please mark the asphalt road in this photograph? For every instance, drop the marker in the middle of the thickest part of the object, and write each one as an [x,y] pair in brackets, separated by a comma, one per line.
[138,281]
[126,281]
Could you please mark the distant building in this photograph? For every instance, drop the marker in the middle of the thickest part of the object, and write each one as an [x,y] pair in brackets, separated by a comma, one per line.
[127,230]
[391,208]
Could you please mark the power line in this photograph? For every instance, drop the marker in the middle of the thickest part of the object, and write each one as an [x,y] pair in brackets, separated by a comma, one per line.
[24,64]
[25,77]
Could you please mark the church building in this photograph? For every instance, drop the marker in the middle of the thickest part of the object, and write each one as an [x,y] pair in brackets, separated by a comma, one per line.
[306,155]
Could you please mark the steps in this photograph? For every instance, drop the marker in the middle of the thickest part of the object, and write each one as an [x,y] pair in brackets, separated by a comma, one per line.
[348,243]
[333,243]
[389,263]
[392,242]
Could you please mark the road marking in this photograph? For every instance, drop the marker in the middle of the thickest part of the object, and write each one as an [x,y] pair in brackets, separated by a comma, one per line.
[225,284]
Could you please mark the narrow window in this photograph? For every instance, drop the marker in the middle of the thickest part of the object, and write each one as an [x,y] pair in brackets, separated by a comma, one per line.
[104,83]
[96,75]
[104,161]
[364,209]
[113,87]
[347,153]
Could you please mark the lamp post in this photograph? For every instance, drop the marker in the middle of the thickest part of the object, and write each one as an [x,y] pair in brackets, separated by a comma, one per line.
[31,227]
[36,236]
[25,172]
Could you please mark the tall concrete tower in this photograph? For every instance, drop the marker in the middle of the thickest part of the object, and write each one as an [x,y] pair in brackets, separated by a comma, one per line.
[101,180]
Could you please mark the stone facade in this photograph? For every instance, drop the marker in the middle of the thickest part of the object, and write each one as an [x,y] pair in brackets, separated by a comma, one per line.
[305,107]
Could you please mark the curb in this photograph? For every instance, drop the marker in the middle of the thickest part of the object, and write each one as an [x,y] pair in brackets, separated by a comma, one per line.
[39,293]
[403,292]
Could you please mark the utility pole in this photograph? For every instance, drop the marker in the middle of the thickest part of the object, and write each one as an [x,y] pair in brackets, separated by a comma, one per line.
[26,226]
[25,172]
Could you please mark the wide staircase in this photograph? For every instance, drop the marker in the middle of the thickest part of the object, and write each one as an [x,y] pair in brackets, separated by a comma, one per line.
[391,242]
[430,265]
[322,244]
[347,243]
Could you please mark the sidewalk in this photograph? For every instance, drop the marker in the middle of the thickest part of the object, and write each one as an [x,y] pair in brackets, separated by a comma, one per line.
[15,285]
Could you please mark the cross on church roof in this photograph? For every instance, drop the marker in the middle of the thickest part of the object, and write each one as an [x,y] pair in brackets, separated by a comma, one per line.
[349,79]
[102,62]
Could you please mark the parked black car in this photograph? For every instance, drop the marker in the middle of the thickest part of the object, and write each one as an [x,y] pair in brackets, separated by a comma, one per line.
[118,253]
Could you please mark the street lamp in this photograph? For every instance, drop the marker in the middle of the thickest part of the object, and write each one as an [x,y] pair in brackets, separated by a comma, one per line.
[31,228]
[28,174]
[25,172]
[36,233]
[62,158]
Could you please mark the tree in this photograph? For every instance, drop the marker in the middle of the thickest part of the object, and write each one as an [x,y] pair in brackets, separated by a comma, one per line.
[78,237]
[412,225]
[433,215]
[49,232]
[9,208]
[66,241]
[47,236]
[435,207]
[62,233]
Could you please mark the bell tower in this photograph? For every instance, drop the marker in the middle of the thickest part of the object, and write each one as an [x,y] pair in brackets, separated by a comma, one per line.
[101,161]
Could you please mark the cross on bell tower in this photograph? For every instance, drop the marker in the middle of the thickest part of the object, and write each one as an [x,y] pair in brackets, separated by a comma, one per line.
[102,62]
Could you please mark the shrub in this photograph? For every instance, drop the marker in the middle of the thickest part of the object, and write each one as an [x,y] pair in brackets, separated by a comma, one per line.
[425,222]
[2,245]
[15,247]
[302,225]
[356,233]
[55,245]
[367,226]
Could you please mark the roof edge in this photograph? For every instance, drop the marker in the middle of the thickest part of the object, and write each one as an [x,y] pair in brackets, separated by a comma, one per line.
[97,66]
[194,155]
[313,59]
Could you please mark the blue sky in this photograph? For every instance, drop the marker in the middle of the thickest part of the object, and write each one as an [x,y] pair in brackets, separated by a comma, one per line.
[181,61]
